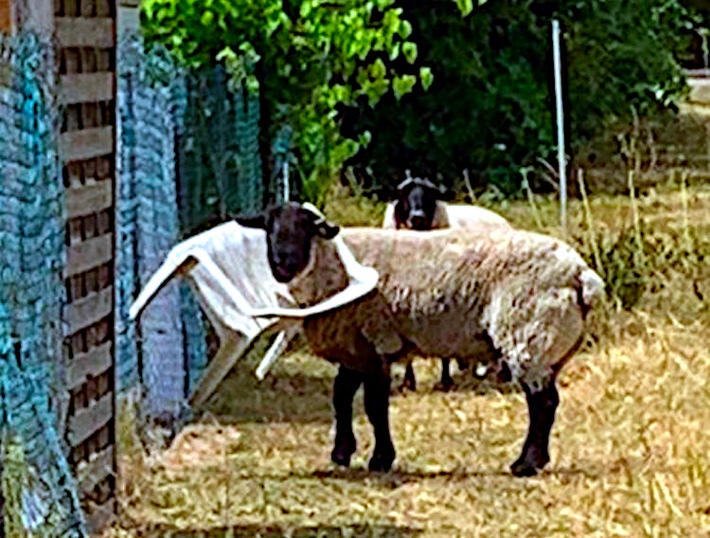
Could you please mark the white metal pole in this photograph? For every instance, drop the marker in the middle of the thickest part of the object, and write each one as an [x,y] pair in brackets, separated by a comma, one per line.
[561,159]
[286,183]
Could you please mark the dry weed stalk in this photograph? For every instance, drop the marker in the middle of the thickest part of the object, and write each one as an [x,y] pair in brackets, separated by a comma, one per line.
[531,200]
[551,177]
[684,201]
[469,188]
[591,228]
[637,223]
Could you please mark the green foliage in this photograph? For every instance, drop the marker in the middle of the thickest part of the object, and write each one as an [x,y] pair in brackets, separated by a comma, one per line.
[349,206]
[622,60]
[438,87]
[634,261]
[626,271]
[314,56]
[490,105]
[486,108]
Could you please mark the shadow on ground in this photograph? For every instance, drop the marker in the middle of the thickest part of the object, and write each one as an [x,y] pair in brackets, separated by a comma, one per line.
[270,531]
[305,398]
[302,394]
[286,397]
[402,476]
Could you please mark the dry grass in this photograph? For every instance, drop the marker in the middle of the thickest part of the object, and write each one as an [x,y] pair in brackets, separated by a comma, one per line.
[630,448]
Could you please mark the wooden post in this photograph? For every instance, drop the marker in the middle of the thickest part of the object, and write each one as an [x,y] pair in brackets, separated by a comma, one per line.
[36,15]
[85,32]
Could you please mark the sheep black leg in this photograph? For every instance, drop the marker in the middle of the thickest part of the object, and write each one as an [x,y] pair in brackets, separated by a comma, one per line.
[377,394]
[446,381]
[344,388]
[542,405]
[409,382]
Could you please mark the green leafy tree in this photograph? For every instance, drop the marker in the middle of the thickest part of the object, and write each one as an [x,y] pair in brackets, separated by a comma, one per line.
[306,58]
[490,107]
[487,108]
[622,59]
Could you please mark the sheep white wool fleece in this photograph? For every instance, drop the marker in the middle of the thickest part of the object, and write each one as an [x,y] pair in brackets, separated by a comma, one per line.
[452,215]
[528,292]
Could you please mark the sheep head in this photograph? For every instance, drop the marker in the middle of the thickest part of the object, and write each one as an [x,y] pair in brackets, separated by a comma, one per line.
[416,203]
[290,230]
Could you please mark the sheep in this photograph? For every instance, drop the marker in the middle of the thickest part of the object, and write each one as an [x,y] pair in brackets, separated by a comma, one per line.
[419,207]
[515,299]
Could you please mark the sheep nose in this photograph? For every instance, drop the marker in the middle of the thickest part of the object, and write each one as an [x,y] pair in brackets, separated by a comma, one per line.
[417,221]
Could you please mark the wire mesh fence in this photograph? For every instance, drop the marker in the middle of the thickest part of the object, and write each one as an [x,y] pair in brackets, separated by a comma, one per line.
[33,397]
[188,154]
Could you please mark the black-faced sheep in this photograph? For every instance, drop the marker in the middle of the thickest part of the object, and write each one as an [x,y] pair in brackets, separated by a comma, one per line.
[515,298]
[419,206]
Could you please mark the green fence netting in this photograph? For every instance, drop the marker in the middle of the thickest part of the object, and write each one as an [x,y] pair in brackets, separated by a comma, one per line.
[188,153]
[32,395]
[220,166]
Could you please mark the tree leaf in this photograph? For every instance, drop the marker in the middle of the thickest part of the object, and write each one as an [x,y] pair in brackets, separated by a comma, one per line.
[409,49]
[207,18]
[426,76]
[403,85]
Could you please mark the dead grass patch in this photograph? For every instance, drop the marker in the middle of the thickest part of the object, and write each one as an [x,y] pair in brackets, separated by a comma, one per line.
[629,449]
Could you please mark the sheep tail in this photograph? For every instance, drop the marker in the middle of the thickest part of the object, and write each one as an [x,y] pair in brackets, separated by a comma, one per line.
[590,290]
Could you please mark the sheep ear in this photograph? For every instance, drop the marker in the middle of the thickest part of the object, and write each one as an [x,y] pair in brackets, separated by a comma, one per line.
[405,184]
[326,230]
[252,221]
[426,182]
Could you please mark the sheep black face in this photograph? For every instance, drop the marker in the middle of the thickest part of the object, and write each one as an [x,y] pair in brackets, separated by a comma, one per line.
[290,230]
[416,203]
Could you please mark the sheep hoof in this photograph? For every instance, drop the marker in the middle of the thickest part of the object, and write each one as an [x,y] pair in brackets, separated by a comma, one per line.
[522,469]
[342,452]
[381,461]
[444,386]
[529,463]
[340,458]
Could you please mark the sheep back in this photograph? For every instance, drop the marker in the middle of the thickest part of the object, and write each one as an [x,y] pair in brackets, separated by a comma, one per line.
[467,292]
[471,215]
